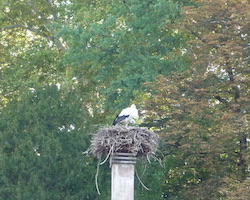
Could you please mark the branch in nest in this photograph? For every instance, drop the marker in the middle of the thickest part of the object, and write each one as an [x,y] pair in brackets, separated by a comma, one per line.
[119,139]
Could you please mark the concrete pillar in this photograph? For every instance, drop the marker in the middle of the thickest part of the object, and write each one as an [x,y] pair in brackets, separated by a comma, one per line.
[122,176]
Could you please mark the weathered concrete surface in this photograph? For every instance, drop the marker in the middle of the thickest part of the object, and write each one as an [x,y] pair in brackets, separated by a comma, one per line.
[122,181]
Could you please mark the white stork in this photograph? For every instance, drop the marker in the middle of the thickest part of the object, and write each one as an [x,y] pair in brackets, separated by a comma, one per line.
[127,115]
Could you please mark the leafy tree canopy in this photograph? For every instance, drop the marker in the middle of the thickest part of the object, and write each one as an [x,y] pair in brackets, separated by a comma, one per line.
[67,65]
[203,113]
[126,45]
[43,137]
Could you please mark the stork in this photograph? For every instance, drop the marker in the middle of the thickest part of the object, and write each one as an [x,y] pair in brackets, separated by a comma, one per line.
[127,116]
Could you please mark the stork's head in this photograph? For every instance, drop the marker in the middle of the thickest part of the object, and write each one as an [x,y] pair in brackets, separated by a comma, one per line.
[133,106]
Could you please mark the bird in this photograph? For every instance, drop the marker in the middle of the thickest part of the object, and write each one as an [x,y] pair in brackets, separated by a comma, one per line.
[127,115]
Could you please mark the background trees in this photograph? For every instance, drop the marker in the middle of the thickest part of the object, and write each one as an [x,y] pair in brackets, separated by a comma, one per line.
[203,112]
[67,67]
[43,138]
[127,45]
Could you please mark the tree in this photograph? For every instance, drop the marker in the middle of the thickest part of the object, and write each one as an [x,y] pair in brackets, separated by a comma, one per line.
[224,35]
[29,46]
[123,47]
[203,113]
[109,48]
[43,137]
[37,17]
[84,55]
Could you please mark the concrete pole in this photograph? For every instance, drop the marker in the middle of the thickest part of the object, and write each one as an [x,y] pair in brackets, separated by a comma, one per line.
[122,177]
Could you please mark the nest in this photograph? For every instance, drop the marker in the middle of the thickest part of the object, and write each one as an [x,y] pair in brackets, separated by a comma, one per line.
[141,142]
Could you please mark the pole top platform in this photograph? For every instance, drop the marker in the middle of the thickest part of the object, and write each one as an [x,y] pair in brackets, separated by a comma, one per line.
[123,158]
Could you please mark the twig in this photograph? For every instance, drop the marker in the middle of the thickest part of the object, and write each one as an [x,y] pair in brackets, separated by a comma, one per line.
[96,177]
[107,155]
[140,180]
[148,158]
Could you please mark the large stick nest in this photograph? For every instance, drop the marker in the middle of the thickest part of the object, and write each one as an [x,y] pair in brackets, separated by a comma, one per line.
[120,139]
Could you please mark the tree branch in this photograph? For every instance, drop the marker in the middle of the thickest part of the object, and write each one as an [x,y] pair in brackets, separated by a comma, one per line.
[202,39]
[57,42]
[220,99]
[51,6]
[36,10]
[235,89]
[199,37]
[28,28]
[13,26]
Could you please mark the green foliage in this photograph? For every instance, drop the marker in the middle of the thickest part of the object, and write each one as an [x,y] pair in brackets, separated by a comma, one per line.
[202,113]
[125,48]
[105,54]
[42,143]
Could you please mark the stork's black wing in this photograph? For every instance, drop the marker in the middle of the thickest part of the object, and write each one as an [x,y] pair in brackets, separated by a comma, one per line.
[119,119]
